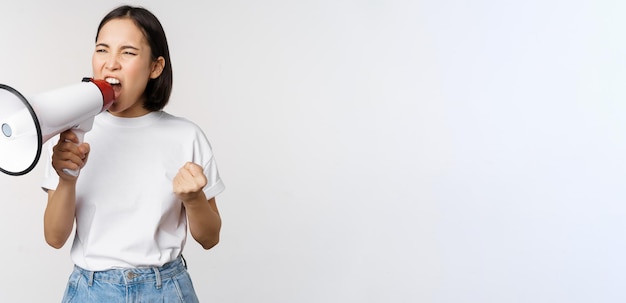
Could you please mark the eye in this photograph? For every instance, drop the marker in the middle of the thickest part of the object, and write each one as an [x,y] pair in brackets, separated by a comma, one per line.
[129,53]
[100,50]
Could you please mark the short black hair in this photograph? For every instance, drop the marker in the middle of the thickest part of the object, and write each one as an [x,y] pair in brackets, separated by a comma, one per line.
[158,90]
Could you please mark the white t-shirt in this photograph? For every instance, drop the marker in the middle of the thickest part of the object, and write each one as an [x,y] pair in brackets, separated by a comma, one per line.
[126,212]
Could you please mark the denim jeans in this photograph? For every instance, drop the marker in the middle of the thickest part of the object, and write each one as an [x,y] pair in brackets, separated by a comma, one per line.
[168,283]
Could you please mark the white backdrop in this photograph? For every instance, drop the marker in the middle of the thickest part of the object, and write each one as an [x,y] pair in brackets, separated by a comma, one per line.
[373,151]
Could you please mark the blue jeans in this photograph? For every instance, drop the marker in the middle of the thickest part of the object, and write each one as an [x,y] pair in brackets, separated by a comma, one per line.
[168,283]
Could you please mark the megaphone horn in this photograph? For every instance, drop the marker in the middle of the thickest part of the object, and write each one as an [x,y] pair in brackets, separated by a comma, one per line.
[25,125]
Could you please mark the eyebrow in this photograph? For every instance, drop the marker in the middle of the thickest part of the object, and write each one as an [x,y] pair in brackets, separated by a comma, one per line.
[123,47]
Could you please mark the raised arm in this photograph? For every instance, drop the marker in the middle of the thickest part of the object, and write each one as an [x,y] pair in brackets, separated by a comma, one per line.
[202,213]
[61,209]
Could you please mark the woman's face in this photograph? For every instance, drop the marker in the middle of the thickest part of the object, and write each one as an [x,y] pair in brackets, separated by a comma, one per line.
[123,58]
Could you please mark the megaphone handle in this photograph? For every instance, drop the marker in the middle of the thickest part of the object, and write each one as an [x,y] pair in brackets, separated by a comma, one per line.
[79,131]
[80,134]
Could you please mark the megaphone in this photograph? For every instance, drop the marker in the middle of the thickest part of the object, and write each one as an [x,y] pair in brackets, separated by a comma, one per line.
[26,124]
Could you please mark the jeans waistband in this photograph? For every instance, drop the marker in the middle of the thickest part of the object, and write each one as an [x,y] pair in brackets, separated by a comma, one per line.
[135,275]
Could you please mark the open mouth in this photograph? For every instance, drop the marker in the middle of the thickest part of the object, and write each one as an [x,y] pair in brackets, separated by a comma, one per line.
[115,83]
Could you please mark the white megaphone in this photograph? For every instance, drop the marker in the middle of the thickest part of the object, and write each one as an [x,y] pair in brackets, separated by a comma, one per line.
[27,124]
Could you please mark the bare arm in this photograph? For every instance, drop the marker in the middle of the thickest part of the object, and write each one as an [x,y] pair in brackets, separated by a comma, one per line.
[61,209]
[203,216]
[58,220]
[204,221]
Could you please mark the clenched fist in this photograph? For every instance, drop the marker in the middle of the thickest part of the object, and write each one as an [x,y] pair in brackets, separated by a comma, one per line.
[189,182]
[68,154]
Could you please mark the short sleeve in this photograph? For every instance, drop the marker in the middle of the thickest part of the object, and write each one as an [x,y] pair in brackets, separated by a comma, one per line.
[203,155]
[50,177]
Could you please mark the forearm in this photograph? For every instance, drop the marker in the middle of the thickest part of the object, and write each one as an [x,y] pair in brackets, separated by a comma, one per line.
[204,220]
[59,214]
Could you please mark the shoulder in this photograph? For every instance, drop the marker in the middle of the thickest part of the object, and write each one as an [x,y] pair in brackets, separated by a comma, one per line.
[181,125]
[170,120]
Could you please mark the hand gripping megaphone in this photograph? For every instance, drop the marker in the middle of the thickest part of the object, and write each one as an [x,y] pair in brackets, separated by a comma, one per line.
[26,124]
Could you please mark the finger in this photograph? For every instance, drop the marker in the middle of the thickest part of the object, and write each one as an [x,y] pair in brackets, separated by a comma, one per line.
[194,169]
[69,147]
[71,152]
[72,158]
[182,177]
[186,171]
[187,168]
[84,149]
[61,164]
[68,135]
[185,182]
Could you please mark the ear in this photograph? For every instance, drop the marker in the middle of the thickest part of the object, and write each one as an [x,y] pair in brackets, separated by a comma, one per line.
[157,67]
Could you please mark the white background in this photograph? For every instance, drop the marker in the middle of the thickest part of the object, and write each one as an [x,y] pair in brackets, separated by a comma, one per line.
[373,151]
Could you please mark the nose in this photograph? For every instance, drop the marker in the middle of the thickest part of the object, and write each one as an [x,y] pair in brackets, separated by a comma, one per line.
[112,63]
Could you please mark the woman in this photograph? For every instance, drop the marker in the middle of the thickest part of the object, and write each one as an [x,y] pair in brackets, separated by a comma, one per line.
[150,175]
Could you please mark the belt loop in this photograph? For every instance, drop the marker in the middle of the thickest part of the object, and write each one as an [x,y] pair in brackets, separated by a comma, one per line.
[184,261]
[90,283]
[158,277]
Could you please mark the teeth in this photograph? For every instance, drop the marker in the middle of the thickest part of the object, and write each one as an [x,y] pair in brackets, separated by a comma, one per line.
[112,80]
